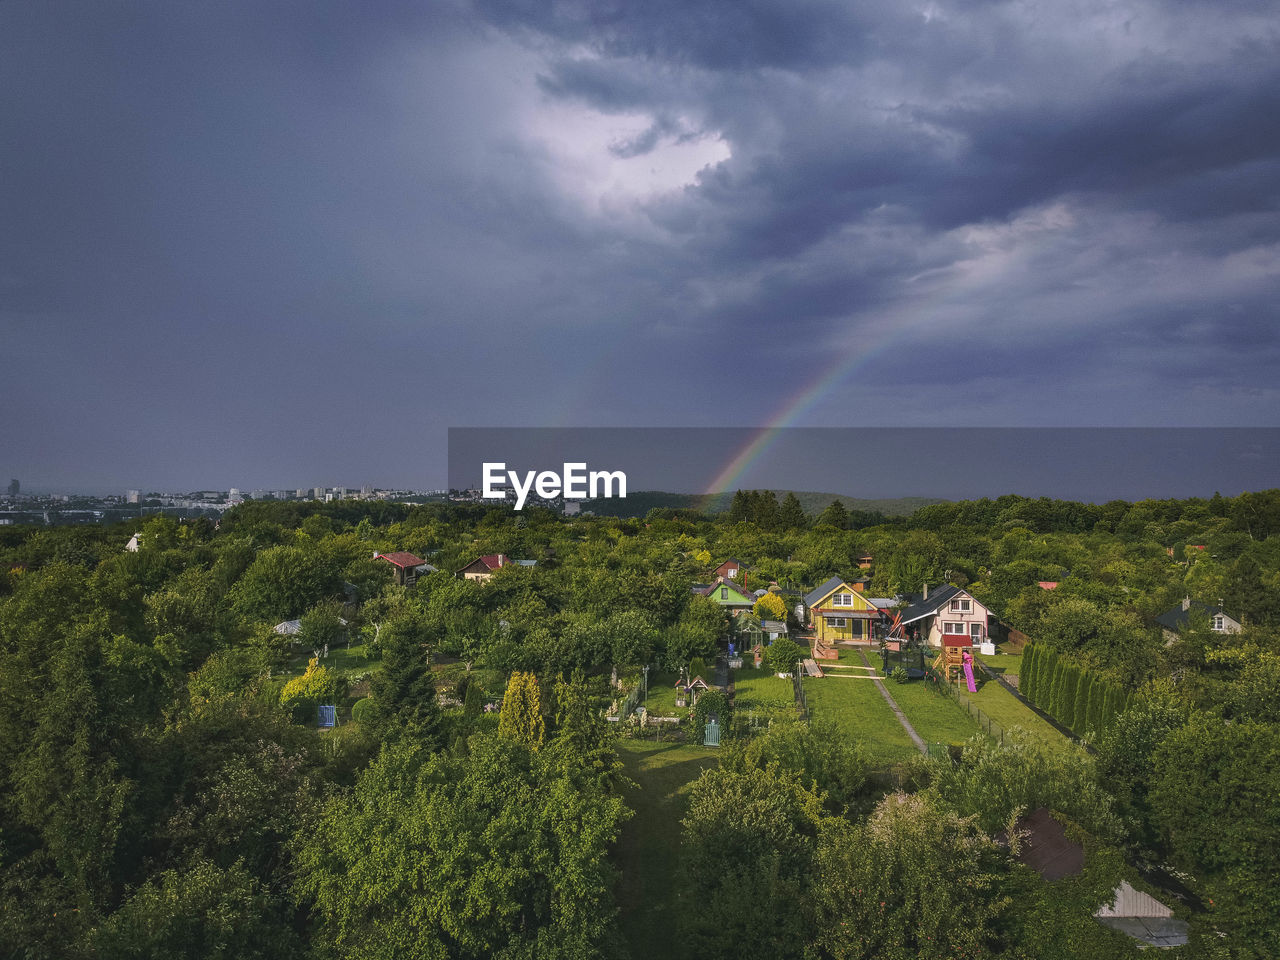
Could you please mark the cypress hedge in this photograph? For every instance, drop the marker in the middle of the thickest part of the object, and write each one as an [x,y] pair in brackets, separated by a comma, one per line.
[1080,700]
[1027,678]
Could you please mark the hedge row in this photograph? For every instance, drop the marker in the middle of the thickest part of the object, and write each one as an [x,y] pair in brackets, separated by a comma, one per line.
[1079,700]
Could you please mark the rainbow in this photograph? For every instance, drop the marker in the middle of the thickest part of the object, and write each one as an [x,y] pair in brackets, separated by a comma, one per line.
[888,329]
[730,476]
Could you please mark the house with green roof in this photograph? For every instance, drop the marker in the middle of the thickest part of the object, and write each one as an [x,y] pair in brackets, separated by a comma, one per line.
[727,593]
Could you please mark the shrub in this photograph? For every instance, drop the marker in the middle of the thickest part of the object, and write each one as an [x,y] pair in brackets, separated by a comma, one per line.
[782,655]
[473,702]
[899,674]
[770,607]
[303,694]
[360,709]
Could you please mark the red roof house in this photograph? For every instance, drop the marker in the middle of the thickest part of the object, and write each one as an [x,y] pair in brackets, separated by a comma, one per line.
[482,568]
[407,565]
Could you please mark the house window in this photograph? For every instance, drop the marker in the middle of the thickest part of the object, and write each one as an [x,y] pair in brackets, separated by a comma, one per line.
[953,628]
[960,606]
[839,622]
[1220,623]
[724,593]
[975,631]
[732,572]
[842,600]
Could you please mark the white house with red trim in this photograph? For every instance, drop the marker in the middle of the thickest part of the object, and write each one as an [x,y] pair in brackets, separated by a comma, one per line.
[947,613]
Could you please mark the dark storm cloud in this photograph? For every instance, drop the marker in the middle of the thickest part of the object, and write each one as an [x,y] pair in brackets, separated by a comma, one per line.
[728,35]
[1151,119]
[247,233]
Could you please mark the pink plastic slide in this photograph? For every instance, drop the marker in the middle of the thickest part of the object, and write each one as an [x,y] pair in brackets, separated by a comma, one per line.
[968,676]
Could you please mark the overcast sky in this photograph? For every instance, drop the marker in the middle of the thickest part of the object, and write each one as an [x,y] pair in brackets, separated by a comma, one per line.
[269,244]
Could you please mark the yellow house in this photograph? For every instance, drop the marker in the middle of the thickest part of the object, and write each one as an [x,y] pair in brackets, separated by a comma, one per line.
[838,611]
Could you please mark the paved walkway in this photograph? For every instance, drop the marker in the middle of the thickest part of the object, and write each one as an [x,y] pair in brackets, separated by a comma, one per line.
[897,710]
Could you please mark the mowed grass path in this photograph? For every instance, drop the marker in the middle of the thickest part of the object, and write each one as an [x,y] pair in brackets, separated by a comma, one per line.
[648,850]
[857,708]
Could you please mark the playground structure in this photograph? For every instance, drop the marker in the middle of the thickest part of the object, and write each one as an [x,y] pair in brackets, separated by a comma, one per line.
[956,660]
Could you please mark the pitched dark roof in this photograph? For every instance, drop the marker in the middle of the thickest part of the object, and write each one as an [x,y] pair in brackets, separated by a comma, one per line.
[1176,619]
[813,596]
[921,607]
[1045,847]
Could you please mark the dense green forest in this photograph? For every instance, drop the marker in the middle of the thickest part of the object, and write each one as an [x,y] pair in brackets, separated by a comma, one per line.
[165,791]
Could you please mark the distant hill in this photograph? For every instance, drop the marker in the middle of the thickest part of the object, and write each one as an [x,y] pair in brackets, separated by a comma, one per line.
[639,503]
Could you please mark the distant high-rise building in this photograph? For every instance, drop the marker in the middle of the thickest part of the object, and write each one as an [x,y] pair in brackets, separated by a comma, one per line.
[366,491]
[233,493]
[318,493]
[133,496]
[14,487]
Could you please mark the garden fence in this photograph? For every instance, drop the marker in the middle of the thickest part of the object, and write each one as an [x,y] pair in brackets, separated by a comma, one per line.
[802,705]
[992,728]
[631,702]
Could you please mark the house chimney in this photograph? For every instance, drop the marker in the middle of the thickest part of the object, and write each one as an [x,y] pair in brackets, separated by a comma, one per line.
[926,590]
[375,554]
[1219,603]
[1186,603]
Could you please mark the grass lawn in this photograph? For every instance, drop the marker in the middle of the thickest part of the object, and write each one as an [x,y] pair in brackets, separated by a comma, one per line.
[857,708]
[648,851]
[761,692]
[1003,707]
[937,719]
[341,660]
[848,657]
[662,696]
[1010,663]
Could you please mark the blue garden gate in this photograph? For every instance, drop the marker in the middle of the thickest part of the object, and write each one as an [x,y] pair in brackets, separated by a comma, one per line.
[328,715]
[711,733]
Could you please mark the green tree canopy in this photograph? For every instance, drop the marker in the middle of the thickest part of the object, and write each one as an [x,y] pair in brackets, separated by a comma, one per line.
[514,852]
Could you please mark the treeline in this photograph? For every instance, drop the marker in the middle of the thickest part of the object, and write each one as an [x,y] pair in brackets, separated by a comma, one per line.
[1076,697]
[1256,514]
[762,508]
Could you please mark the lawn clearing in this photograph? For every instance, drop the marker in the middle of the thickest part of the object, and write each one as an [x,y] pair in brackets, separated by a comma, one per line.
[1008,711]
[342,660]
[845,657]
[1003,663]
[648,850]
[937,718]
[661,701]
[857,709]
[763,693]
